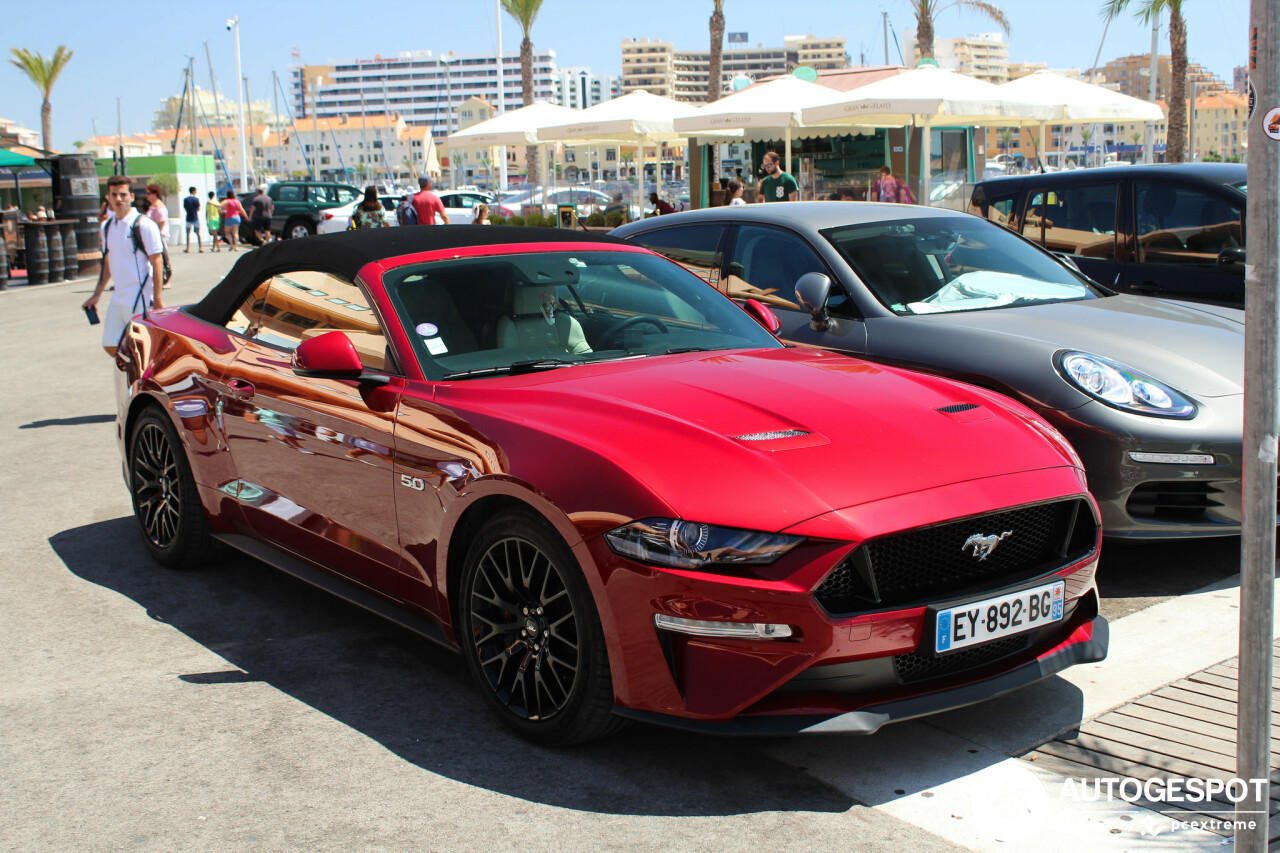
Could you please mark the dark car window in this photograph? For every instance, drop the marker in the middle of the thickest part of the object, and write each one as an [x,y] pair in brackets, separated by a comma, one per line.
[694,247]
[960,263]
[1181,225]
[1077,220]
[766,263]
[997,209]
[292,193]
[476,317]
[289,308]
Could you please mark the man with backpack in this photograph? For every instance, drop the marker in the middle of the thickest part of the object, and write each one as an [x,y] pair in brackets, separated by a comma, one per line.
[405,213]
[133,258]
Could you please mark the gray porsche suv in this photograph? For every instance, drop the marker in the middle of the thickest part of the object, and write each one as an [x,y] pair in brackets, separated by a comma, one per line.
[1149,392]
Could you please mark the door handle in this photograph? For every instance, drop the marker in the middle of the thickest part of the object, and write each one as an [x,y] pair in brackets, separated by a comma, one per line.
[240,389]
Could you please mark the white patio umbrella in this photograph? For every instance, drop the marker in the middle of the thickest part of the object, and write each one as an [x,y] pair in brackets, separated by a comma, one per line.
[925,96]
[640,117]
[518,127]
[775,104]
[1078,102]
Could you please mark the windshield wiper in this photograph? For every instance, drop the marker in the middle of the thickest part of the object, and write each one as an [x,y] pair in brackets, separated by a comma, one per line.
[515,367]
[675,350]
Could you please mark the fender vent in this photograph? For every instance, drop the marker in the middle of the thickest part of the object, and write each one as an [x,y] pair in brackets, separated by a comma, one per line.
[958,407]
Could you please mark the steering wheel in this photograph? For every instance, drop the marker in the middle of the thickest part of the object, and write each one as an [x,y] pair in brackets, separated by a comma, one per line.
[610,333]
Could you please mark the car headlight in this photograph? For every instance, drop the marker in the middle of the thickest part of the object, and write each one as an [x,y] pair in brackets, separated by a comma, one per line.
[682,544]
[1123,387]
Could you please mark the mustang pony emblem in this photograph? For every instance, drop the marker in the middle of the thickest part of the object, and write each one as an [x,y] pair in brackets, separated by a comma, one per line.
[983,545]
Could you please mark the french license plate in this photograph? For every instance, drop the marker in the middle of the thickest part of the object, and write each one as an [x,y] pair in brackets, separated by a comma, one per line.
[982,621]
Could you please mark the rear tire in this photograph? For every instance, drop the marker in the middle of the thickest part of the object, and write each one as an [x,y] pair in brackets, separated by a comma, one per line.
[298,228]
[531,635]
[166,501]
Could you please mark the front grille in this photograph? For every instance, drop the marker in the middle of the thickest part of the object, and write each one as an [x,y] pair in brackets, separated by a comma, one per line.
[933,562]
[1175,500]
[914,667]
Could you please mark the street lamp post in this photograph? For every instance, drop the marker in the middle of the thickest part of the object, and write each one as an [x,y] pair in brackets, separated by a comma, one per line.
[448,114]
[233,24]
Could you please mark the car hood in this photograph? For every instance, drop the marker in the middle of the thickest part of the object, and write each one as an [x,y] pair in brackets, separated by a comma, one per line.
[762,439]
[1195,349]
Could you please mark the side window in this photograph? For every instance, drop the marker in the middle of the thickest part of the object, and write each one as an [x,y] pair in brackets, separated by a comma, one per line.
[998,209]
[291,193]
[1078,220]
[345,195]
[766,263]
[303,304]
[694,247]
[1179,225]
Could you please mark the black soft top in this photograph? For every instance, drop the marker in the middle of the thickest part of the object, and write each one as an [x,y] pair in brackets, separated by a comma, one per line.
[347,253]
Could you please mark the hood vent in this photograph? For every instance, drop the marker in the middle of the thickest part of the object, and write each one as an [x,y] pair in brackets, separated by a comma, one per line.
[772,436]
[956,408]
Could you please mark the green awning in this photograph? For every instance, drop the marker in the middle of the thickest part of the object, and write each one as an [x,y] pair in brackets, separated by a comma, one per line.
[10,158]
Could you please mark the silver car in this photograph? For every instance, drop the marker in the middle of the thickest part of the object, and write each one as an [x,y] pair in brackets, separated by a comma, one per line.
[1148,391]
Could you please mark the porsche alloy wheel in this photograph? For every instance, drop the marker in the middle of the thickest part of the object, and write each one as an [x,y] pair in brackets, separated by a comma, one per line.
[165,501]
[531,634]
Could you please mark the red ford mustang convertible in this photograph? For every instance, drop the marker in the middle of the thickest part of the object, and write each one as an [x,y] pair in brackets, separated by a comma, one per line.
[608,485]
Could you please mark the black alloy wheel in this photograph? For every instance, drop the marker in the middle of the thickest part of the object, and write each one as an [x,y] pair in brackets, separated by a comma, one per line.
[531,635]
[166,502]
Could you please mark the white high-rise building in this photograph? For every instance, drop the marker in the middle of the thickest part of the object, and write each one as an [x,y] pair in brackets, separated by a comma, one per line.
[425,88]
[578,88]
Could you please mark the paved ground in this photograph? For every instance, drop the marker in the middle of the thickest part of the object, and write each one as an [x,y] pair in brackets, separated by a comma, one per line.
[237,709]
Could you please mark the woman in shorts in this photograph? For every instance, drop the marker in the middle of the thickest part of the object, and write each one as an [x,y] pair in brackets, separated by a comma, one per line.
[232,213]
[213,216]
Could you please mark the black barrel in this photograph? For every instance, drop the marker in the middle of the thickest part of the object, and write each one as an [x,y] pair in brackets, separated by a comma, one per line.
[70,250]
[53,241]
[78,198]
[37,251]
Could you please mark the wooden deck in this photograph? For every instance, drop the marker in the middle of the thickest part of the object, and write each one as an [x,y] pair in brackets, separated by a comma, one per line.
[1185,730]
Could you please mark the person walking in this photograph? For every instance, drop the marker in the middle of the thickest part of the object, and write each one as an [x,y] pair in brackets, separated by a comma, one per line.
[260,219]
[661,207]
[481,216]
[733,193]
[776,185]
[232,213]
[213,220]
[369,213]
[888,188]
[905,195]
[159,214]
[427,204]
[133,260]
[191,207]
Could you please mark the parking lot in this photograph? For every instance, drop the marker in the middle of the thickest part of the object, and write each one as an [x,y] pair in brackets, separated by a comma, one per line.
[236,708]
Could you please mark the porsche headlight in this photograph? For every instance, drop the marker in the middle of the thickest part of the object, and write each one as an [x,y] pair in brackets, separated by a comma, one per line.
[1122,387]
[682,544]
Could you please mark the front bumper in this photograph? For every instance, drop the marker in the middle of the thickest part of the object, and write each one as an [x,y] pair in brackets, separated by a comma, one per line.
[1090,648]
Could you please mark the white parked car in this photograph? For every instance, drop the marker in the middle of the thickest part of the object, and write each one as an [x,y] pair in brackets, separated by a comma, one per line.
[335,219]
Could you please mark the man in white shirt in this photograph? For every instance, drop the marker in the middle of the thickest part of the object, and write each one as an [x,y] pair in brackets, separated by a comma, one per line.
[134,271]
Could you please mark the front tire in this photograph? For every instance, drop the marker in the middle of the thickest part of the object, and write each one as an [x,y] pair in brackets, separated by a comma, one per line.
[531,636]
[298,228]
[166,502]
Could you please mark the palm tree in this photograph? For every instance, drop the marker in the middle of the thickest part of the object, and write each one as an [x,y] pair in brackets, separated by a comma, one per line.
[927,10]
[524,11]
[1136,136]
[1085,136]
[1006,137]
[717,52]
[1144,10]
[44,73]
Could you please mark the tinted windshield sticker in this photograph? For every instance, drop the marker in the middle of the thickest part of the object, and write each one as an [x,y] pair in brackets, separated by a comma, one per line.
[427,330]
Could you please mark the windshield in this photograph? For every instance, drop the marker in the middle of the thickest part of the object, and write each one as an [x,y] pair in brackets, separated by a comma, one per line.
[478,317]
[960,263]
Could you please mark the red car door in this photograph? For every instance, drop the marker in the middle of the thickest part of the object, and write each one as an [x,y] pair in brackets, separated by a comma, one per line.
[313,456]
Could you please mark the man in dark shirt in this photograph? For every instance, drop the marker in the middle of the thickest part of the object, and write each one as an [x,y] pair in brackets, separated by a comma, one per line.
[191,206]
[661,207]
[260,210]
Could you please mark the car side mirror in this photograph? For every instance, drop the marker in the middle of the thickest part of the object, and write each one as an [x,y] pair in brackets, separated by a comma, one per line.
[763,315]
[812,290]
[332,356]
[1231,260]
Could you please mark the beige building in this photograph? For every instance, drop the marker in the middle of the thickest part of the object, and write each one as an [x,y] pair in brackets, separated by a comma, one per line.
[984,56]
[657,67]
[1132,76]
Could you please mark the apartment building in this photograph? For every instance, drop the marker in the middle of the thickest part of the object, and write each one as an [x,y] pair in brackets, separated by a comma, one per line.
[1131,75]
[657,67]
[578,88]
[422,87]
[981,55]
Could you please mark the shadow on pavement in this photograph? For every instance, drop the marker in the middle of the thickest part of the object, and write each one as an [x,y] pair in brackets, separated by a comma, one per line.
[414,697]
[76,421]
[1135,575]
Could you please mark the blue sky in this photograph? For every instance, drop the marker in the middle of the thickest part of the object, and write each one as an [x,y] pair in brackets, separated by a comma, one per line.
[136,50]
